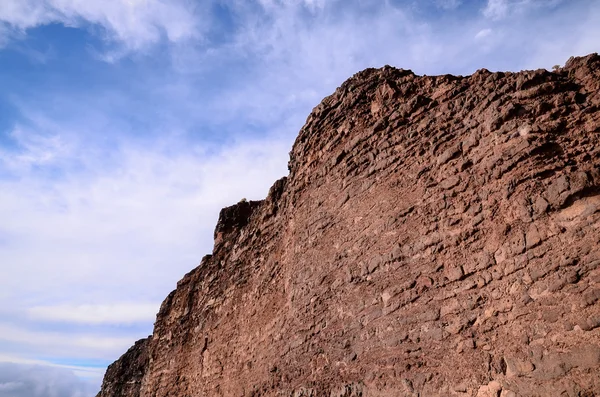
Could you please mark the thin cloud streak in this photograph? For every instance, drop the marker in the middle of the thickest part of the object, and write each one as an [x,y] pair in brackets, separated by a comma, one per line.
[53,343]
[121,313]
[89,372]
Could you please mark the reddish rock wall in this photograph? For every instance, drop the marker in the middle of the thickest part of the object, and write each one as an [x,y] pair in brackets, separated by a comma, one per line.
[436,236]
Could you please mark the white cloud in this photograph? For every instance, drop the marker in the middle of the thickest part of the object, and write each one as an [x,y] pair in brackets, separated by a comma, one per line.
[80,345]
[496,9]
[121,313]
[133,23]
[501,9]
[18,380]
[483,34]
[134,226]
[94,374]
[113,229]
[573,32]
[36,149]
[10,386]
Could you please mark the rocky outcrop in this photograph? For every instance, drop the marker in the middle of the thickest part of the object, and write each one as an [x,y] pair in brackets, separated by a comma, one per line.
[436,236]
[124,376]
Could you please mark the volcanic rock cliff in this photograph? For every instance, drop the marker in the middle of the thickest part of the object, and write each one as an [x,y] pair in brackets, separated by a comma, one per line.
[436,236]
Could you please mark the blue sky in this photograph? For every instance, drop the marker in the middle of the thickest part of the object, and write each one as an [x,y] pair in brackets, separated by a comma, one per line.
[125,125]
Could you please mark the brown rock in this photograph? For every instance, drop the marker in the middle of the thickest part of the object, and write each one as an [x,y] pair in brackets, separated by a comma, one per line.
[516,367]
[454,273]
[402,234]
[492,389]
[124,377]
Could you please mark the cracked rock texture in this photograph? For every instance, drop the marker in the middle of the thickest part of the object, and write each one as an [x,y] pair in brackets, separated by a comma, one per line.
[436,236]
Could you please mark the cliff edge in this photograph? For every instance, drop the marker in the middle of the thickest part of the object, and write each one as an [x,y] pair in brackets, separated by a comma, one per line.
[436,236]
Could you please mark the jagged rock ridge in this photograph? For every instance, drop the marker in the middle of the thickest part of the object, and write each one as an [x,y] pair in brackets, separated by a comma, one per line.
[436,236]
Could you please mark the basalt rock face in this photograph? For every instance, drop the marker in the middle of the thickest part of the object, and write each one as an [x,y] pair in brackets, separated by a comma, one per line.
[436,236]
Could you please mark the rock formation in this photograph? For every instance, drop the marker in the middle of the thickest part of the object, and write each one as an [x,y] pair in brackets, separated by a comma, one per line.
[436,236]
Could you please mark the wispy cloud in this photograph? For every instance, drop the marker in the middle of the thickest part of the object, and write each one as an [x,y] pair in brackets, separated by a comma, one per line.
[149,213]
[93,373]
[114,227]
[54,343]
[134,24]
[35,149]
[496,9]
[500,9]
[122,313]
[483,33]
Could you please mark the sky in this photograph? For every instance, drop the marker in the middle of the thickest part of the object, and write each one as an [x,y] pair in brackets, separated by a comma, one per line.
[126,125]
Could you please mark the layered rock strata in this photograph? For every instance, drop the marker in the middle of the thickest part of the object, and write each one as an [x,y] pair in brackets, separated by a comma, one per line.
[436,236]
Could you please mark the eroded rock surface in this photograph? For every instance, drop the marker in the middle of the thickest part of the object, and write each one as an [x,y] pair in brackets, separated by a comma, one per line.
[436,236]
[124,376]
